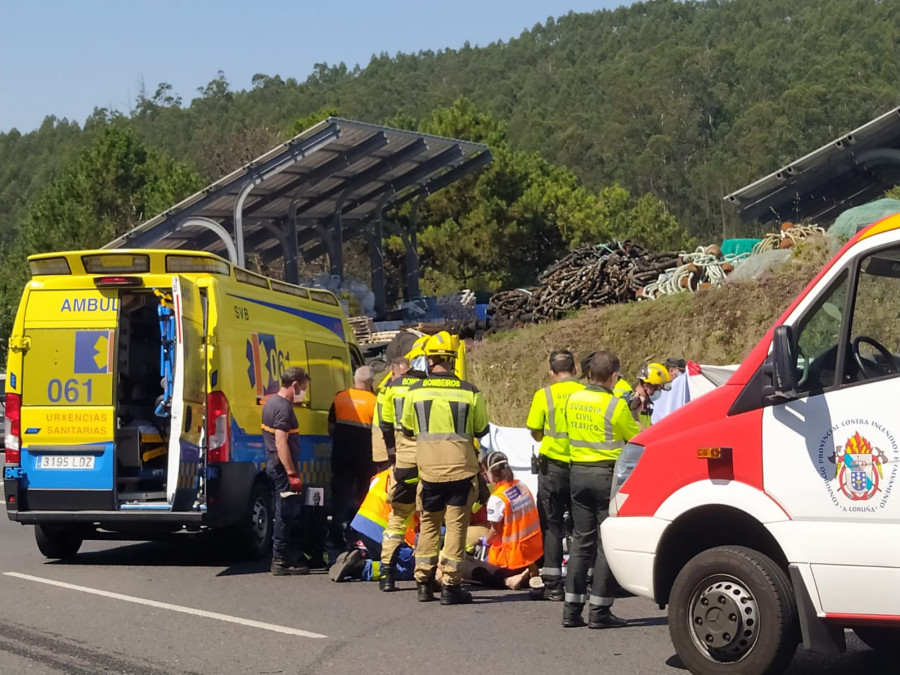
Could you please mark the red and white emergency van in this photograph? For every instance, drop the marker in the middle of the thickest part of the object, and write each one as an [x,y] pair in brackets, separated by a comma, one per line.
[765,512]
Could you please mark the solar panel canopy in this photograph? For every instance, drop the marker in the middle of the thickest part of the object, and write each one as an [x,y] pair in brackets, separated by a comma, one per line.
[306,197]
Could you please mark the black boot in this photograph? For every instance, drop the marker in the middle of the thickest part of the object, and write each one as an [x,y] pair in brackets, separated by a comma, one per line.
[281,568]
[424,593]
[387,583]
[455,595]
[602,617]
[572,615]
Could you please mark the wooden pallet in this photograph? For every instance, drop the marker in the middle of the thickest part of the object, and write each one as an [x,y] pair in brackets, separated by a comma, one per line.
[362,327]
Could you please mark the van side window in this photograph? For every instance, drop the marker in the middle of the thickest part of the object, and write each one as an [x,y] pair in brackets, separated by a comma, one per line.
[875,325]
[819,337]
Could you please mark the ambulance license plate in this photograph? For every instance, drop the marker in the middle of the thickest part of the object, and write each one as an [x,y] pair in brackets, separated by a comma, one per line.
[65,462]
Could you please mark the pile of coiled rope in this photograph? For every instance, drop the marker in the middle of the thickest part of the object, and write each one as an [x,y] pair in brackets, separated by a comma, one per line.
[787,237]
[704,268]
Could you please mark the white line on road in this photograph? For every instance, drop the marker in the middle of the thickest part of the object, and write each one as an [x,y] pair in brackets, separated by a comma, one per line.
[165,605]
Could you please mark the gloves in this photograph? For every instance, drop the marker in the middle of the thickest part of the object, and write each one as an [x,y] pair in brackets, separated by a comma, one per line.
[296,483]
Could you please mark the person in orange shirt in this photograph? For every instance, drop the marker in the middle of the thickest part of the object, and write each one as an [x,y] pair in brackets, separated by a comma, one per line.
[514,541]
[350,426]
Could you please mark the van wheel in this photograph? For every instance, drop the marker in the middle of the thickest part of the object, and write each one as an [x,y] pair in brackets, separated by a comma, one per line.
[253,536]
[57,541]
[883,639]
[732,610]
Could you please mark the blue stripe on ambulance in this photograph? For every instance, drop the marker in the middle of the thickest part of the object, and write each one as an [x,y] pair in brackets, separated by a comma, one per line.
[332,323]
[98,478]
[315,469]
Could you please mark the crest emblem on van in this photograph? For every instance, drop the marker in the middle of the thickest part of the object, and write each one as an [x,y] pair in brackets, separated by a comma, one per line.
[858,468]
[858,460]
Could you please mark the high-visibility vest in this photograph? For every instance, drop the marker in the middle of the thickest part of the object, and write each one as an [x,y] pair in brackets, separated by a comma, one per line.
[624,390]
[372,517]
[379,447]
[521,542]
[445,414]
[598,425]
[355,408]
[547,414]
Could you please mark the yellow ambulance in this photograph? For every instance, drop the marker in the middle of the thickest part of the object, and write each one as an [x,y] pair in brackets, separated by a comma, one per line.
[134,392]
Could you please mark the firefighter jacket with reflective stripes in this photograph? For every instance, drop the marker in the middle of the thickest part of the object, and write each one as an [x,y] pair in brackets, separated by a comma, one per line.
[598,425]
[391,414]
[547,414]
[380,448]
[521,541]
[446,415]
[373,514]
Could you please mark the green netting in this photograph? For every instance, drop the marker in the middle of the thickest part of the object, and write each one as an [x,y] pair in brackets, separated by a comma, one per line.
[738,246]
[853,220]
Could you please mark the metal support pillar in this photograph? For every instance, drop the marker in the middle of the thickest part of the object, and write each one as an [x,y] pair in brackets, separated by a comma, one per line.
[412,251]
[291,246]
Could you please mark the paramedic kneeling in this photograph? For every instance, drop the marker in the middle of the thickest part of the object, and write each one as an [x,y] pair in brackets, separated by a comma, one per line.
[515,534]
[280,432]
[598,425]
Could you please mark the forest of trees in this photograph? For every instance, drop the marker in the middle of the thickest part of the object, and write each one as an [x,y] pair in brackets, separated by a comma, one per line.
[632,122]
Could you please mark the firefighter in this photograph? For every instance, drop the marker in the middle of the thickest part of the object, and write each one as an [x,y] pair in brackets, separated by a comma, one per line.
[598,424]
[383,435]
[445,415]
[402,497]
[653,378]
[546,420]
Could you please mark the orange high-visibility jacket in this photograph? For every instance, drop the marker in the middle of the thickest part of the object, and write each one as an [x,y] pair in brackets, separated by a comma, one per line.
[354,407]
[521,543]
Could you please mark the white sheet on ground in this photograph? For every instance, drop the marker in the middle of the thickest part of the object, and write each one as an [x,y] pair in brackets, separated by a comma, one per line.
[518,445]
[671,400]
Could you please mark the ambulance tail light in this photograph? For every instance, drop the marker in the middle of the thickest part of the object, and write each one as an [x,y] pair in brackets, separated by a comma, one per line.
[118,281]
[12,429]
[628,459]
[218,427]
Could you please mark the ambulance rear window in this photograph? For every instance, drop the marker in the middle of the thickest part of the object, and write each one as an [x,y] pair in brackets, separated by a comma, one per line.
[116,263]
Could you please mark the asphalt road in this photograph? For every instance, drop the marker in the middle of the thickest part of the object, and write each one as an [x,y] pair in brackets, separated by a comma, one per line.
[184,607]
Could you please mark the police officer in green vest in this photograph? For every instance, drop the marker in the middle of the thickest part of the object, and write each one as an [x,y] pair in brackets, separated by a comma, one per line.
[445,415]
[598,425]
[547,422]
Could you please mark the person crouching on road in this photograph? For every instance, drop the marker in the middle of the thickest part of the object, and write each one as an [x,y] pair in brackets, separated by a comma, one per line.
[350,426]
[514,540]
[598,424]
[280,432]
[445,414]
[547,422]
[363,561]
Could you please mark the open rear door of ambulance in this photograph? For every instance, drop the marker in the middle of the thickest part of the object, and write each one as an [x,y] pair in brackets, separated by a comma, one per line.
[187,439]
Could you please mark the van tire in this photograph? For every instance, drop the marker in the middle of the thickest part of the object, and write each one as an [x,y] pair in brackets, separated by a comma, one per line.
[252,538]
[57,541]
[732,610]
[883,639]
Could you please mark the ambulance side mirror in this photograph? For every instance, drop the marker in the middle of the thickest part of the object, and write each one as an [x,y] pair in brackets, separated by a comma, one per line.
[780,367]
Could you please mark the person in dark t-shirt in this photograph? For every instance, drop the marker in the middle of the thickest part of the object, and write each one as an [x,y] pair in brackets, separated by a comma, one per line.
[280,432]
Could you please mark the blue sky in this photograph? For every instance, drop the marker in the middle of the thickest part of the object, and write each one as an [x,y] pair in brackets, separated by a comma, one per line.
[64,57]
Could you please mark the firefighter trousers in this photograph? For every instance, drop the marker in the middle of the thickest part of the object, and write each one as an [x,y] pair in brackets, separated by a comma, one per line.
[449,503]
[403,505]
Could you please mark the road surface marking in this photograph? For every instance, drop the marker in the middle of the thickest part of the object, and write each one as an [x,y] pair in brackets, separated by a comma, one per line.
[174,608]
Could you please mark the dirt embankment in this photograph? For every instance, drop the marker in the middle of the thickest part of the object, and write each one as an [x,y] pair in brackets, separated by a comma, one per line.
[718,326]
